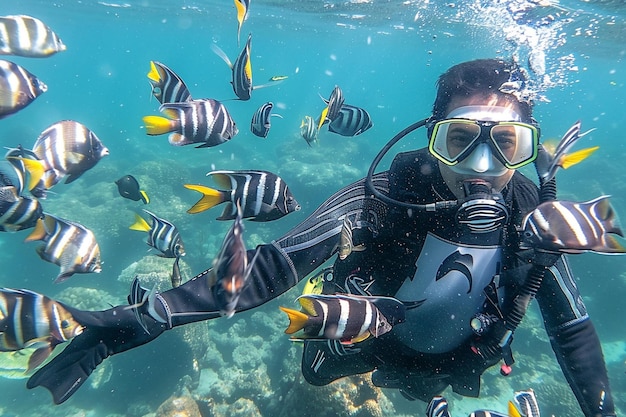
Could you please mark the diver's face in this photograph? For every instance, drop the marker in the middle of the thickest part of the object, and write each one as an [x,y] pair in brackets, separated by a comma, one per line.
[478,165]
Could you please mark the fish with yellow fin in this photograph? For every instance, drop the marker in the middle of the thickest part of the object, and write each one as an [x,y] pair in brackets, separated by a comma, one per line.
[344,317]
[524,404]
[242,14]
[333,107]
[559,158]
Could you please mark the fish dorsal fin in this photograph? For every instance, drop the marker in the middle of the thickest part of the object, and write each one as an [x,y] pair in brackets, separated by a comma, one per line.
[513,411]
[219,52]
[308,305]
[144,197]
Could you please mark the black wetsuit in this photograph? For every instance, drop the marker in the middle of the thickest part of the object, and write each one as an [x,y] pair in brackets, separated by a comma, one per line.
[420,357]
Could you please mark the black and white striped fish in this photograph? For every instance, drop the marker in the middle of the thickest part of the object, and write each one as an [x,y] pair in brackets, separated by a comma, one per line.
[350,121]
[263,196]
[17,212]
[260,124]
[488,413]
[162,235]
[67,149]
[437,407]
[18,88]
[347,318]
[31,320]
[242,14]
[241,70]
[231,268]
[333,106]
[205,121]
[167,86]
[570,227]
[20,164]
[28,36]
[346,244]
[309,130]
[526,403]
[68,244]
[559,158]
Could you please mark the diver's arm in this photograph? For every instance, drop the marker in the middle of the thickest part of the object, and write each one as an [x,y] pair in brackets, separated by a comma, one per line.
[575,341]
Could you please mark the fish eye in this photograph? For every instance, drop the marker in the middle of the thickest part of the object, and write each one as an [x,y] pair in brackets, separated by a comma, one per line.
[65,324]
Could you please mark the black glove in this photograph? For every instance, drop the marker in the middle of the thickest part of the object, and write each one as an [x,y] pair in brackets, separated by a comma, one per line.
[106,333]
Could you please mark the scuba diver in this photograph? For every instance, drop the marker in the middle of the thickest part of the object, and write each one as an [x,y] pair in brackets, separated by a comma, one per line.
[440,231]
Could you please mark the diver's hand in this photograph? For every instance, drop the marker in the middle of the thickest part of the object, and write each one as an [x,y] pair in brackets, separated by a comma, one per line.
[106,333]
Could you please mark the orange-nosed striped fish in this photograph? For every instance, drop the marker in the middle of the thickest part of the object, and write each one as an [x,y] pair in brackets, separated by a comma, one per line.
[31,320]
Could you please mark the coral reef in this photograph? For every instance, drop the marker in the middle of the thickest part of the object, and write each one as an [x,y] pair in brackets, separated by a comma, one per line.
[183,406]
[153,270]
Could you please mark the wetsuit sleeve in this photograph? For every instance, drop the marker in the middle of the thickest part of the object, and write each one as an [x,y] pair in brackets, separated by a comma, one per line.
[575,341]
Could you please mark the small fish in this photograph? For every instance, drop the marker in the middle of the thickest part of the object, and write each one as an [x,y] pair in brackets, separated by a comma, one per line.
[260,124]
[167,86]
[17,212]
[333,107]
[242,14]
[206,122]
[346,245]
[28,36]
[278,78]
[69,245]
[19,164]
[241,69]
[176,277]
[128,187]
[31,320]
[526,403]
[162,235]
[559,156]
[570,227]
[315,284]
[347,318]
[309,130]
[67,149]
[264,196]
[231,268]
[437,407]
[351,121]
[18,88]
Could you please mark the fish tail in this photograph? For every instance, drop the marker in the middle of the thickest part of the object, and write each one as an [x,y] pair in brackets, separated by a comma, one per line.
[157,125]
[578,156]
[39,233]
[154,73]
[144,197]
[297,320]
[140,224]
[210,198]
[513,411]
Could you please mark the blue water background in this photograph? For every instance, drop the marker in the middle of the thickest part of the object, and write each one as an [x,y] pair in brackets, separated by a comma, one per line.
[385,56]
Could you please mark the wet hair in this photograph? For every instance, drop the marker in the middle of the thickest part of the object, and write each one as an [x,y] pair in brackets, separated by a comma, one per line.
[481,76]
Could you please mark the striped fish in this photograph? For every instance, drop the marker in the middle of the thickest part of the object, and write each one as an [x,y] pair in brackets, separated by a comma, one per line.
[20,163]
[231,268]
[242,14]
[18,88]
[68,244]
[260,124]
[309,130]
[350,121]
[67,149]
[31,320]
[263,196]
[17,212]
[162,235]
[488,413]
[570,227]
[526,403]
[333,107]
[437,407]
[241,69]
[167,86]
[559,158]
[28,36]
[347,318]
[205,121]
[346,245]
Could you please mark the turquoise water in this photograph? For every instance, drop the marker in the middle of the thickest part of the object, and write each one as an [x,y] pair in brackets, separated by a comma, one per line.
[386,56]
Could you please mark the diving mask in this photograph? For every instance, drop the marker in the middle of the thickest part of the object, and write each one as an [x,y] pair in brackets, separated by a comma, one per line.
[484,139]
